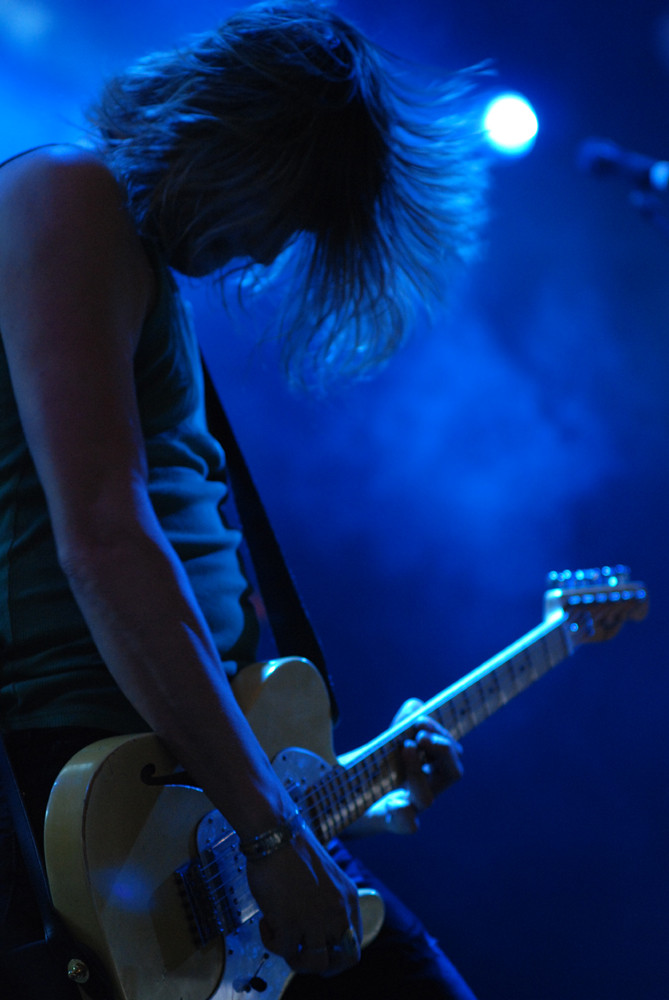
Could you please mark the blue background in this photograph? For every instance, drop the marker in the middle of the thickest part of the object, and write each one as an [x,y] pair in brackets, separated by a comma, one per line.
[526,431]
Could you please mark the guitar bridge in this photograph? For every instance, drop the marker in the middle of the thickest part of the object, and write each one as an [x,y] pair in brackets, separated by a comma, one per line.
[214,887]
[202,920]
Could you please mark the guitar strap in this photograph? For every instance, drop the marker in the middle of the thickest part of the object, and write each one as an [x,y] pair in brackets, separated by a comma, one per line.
[25,969]
[288,620]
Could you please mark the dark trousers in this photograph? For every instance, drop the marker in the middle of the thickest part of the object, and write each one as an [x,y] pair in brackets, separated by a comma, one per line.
[403,962]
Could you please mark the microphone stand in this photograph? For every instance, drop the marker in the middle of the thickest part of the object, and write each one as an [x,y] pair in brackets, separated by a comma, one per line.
[651,208]
[647,176]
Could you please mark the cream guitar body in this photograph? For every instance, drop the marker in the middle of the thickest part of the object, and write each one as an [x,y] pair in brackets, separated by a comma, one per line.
[148,876]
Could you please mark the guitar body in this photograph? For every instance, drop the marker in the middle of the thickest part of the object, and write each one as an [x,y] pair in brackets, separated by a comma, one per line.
[150,877]
[126,835]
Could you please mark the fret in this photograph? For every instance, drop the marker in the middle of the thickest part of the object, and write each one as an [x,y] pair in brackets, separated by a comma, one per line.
[328,823]
[459,709]
[533,673]
[463,714]
[212,886]
[480,708]
[545,663]
[446,715]
[359,797]
[373,770]
[560,645]
[311,807]
[507,681]
[385,773]
[366,787]
[345,808]
[365,783]
[491,693]
[524,671]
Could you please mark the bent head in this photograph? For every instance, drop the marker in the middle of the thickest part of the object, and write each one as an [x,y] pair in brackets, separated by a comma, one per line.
[283,121]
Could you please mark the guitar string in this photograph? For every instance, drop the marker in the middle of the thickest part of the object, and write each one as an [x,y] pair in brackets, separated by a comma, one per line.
[369,779]
[314,804]
[371,768]
[328,794]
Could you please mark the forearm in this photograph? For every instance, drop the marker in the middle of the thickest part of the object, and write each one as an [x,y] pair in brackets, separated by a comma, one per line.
[151,634]
[137,602]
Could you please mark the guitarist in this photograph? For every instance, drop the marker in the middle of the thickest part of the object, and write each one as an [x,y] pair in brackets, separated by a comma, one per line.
[123,607]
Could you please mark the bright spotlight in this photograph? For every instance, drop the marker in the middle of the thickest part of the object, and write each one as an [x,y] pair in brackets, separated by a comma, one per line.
[25,22]
[510,124]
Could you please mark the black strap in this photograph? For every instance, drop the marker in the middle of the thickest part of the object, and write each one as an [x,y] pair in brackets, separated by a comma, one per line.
[40,968]
[31,858]
[292,631]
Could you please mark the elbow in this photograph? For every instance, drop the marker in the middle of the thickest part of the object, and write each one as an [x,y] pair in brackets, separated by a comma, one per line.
[101,530]
[95,549]
[84,554]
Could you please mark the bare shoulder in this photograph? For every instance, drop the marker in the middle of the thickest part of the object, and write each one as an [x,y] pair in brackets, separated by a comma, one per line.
[60,179]
[62,204]
[52,157]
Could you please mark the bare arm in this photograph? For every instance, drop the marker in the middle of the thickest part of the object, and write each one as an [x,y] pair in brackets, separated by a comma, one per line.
[75,287]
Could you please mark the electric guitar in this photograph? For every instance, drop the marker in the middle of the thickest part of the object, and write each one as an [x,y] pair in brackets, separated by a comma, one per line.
[150,877]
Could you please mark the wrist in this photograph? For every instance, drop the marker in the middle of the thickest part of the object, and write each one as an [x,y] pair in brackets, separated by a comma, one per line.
[264,844]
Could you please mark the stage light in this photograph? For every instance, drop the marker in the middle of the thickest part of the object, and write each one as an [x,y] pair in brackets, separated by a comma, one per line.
[510,124]
[25,22]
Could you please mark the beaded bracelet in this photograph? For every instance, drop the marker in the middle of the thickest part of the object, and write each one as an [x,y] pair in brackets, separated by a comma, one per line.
[271,840]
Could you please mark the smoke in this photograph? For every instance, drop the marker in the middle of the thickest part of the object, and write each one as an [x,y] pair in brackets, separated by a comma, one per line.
[469,450]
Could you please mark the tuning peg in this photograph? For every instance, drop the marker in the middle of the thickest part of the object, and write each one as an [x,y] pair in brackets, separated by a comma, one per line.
[610,575]
[555,579]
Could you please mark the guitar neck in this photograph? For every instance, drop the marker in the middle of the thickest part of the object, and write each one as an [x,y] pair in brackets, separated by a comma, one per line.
[344,793]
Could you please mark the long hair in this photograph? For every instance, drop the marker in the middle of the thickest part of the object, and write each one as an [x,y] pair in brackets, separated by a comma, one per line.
[287,120]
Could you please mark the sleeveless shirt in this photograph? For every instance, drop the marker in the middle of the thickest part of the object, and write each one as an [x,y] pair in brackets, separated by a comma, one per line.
[51,673]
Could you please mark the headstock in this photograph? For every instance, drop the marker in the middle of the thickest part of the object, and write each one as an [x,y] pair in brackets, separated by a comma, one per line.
[597,602]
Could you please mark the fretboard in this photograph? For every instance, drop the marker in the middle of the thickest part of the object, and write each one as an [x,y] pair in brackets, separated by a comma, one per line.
[345,792]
